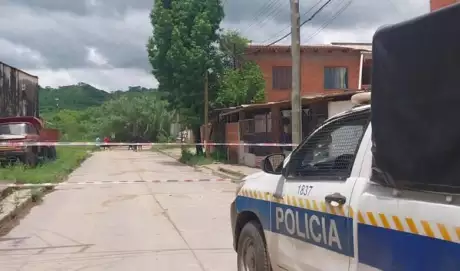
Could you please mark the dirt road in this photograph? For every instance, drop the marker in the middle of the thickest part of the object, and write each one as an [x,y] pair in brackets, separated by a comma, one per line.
[164,226]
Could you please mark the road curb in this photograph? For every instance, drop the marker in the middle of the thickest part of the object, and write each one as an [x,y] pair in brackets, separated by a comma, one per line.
[20,205]
[4,192]
[232,172]
[29,200]
[223,174]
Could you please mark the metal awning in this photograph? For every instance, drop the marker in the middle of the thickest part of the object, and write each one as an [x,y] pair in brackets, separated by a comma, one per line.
[308,99]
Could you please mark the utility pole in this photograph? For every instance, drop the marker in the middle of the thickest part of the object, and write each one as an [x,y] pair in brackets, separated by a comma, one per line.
[206,108]
[296,106]
[234,56]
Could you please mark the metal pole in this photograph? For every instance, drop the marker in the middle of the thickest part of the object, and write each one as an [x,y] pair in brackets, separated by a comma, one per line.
[296,108]
[206,108]
[234,56]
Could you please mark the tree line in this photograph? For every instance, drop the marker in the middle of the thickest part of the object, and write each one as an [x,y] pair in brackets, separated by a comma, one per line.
[125,114]
[188,45]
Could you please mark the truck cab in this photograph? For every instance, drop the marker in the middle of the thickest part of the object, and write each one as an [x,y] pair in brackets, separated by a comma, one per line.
[318,209]
[19,138]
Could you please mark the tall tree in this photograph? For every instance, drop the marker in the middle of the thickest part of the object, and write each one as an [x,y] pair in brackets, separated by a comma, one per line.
[244,85]
[242,81]
[181,50]
[232,45]
[130,116]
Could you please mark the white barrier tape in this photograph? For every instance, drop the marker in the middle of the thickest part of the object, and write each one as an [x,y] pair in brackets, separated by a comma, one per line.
[27,185]
[25,144]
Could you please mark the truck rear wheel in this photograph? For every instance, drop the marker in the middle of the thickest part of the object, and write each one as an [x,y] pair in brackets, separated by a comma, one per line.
[31,158]
[252,250]
[52,155]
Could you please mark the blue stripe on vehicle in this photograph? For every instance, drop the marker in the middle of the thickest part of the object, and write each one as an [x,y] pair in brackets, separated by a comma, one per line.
[325,230]
[388,249]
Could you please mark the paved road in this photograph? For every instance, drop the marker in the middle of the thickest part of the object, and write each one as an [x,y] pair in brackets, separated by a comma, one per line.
[168,226]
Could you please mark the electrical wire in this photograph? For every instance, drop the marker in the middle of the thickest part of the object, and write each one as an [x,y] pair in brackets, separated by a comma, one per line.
[274,14]
[303,23]
[263,11]
[287,28]
[327,23]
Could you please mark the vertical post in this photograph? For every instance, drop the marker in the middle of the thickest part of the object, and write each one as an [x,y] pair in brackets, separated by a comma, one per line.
[206,108]
[360,77]
[296,106]
[234,56]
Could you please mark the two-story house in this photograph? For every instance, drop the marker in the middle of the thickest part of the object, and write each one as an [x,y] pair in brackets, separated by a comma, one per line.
[437,4]
[330,74]
[325,69]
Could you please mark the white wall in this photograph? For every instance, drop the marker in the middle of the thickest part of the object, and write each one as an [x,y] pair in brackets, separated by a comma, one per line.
[335,108]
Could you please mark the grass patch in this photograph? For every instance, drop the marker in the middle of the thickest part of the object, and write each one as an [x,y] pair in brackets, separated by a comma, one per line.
[192,159]
[164,147]
[69,158]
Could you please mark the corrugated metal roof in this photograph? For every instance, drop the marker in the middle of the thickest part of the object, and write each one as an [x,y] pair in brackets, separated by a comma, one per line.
[305,100]
[3,63]
[303,48]
[356,46]
[330,47]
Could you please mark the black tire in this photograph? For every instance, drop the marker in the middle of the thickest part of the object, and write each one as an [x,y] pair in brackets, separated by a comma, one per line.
[252,250]
[52,155]
[31,158]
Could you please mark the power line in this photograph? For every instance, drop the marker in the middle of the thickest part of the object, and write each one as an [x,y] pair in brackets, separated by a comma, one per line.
[287,28]
[273,14]
[303,23]
[327,23]
[265,9]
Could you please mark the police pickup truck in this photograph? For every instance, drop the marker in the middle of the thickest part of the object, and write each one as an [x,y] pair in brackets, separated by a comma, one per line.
[366,191]
[318,210]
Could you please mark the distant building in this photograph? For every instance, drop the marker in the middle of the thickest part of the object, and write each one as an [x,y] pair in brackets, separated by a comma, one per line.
[438,4]
[325,69]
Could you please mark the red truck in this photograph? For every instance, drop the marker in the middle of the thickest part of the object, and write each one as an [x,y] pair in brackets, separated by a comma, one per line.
[15,131]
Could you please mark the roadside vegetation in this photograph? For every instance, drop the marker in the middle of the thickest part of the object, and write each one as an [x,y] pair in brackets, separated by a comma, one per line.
[181,60]
[69,158]
[189,157]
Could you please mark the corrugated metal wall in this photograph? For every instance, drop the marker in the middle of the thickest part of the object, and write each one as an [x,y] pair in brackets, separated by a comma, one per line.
[18,92]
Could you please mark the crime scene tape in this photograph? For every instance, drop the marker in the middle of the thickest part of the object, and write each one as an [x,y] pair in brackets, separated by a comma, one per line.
[26,144]
[27,185]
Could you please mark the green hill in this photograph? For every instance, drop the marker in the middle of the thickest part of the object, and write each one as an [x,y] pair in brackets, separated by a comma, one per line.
[79,96]
[73,97]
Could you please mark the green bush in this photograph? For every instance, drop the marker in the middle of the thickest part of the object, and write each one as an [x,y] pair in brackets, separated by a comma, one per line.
[219,155]
[186,156]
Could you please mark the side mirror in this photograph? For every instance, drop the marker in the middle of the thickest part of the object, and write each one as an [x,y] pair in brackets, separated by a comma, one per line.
[273,163]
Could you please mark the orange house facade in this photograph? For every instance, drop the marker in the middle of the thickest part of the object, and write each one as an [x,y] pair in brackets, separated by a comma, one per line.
[324,68]
[437,4]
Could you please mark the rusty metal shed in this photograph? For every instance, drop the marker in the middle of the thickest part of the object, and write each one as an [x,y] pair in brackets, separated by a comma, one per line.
[18,92]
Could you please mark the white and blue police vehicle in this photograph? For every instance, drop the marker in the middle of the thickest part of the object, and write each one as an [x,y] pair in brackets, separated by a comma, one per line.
[369,190]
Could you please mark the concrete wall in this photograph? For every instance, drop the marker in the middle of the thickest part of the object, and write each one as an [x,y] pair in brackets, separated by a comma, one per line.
[335,108]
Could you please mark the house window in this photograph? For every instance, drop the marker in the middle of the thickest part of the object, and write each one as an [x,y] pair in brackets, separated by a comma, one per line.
[282,77]
[366,75]
[335,78]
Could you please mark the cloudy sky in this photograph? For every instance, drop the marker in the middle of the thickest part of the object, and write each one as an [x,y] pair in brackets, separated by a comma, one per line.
[102,42]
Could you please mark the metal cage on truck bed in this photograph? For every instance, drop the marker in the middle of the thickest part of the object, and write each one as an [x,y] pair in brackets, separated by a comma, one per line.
[416,102]
[18,92]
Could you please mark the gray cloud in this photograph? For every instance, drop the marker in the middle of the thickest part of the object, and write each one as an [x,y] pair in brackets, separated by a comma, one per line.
[263,14]
[55,35]
[62,37]
[88,7]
